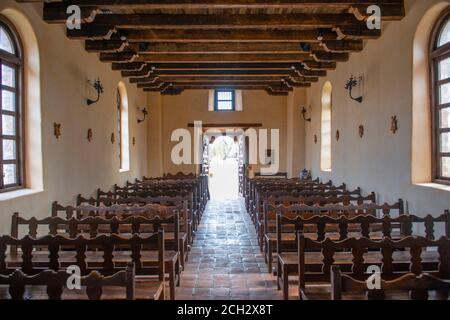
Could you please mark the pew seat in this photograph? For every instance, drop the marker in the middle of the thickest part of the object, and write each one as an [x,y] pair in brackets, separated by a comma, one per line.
[145,288]
[288,264]
[289,240]
[94,260]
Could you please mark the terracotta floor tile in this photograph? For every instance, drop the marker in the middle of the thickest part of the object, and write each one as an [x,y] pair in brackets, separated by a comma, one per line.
[225,261]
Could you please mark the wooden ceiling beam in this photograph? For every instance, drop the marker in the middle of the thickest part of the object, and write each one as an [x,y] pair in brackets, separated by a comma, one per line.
[196,72]
[226,72]
[242,35]
[129,66]
[313,68]
[200,47]
[92,32]
[354,33]
[324,57]
[164,84]
[89,31]
[137,66]
[219,4]
[209,86]
[56,12]
[343,45]
[389,12]
[224,47]
[221,78]
[330,56]
[211,58]
[227,21]
[224,83]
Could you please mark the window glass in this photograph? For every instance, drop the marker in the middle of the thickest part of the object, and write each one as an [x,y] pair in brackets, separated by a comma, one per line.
[444,36]
[5,41]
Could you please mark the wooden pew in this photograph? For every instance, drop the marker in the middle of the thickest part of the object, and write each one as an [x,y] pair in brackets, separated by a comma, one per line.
[193,215]
[117,216]
[52,285]
[264,190]
[154,204]
[149,263]
[264,225]
[354,255]
[417,287]
[333,210]
[321,228]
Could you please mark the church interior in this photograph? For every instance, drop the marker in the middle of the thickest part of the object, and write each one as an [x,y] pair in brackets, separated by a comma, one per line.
[225,150]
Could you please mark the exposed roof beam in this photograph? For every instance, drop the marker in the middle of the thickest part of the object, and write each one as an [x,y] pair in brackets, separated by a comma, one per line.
[195,72]
[235,57]
[137,66]
[228,57]
[223,47]
[221,78]
[226,21]
[147,71]
[223,83]
[93,32]
[209,87]
[241,86]
[235,35]
[55,12]
[219,4]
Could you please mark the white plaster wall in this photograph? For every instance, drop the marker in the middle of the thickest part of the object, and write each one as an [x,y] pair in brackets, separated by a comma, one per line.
[71,164]
[380,161]
[295,132]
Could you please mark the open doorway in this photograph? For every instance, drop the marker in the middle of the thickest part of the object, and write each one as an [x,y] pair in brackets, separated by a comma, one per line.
[224,161]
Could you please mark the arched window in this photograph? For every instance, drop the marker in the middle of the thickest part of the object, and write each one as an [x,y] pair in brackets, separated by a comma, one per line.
[440,78]
[11,155]
[122,127]
[325,151]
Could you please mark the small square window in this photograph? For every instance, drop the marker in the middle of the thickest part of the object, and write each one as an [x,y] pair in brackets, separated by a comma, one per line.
[224,100]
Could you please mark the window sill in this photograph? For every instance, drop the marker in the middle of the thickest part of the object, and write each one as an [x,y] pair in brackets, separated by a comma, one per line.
[18,194]
[328,171]
[437,186]
[124,170]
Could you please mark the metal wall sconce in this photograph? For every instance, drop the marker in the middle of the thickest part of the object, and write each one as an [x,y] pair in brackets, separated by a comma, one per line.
[97,85]
[304,111]
[145,113]
[351,84]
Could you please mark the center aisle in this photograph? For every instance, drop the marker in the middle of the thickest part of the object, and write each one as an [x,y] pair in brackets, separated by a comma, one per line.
[225,261]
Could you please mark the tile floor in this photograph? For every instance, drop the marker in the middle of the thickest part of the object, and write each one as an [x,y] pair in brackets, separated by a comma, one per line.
[225,262]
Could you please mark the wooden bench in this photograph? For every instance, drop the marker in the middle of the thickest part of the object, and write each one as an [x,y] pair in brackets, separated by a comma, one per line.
[52,285]
[105,254]
[147,207]
[115,217]
[315,200]
[355,255]
[321,228]
[304,211]
[416,287]
[263,191]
